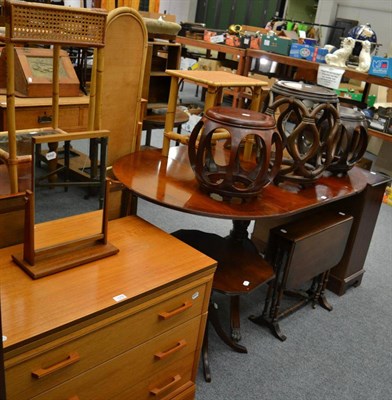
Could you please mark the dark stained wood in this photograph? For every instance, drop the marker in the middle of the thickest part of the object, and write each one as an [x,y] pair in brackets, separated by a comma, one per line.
[240,270]
[238,261]
[234,179]
[170,181]
[364,209]
[301,252]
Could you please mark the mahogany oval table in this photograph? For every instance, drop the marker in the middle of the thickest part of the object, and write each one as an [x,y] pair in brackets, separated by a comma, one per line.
[170,182]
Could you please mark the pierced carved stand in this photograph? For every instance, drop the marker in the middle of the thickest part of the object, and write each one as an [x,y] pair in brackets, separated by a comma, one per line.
[308,120]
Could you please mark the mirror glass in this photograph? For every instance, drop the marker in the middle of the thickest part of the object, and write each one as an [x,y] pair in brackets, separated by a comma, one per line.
[68,178]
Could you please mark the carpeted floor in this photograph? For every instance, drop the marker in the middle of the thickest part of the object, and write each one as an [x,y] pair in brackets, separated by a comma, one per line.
[345,354]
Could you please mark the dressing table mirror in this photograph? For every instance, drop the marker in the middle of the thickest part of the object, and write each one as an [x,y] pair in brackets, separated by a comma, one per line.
[67,168]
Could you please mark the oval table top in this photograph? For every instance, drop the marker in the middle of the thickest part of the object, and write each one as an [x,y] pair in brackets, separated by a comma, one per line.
[170,182]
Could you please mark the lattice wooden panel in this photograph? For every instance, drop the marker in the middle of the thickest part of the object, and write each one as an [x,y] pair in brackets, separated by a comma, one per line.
[42,23]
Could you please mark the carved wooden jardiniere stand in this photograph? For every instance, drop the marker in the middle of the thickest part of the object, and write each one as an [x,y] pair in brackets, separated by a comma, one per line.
[253,156]
[352,140]
[308,120]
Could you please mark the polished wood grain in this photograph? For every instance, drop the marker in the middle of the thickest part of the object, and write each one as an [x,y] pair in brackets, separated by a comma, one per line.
[147,261]
[170,181]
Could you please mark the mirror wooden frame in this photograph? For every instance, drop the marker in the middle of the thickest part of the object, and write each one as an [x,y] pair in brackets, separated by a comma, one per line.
[40,262]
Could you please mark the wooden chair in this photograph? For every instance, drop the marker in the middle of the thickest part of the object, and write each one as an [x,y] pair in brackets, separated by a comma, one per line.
[59,26]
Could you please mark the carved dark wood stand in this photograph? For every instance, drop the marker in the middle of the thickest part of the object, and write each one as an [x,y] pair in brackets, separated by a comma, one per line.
[308,121]
[253,150]
[303,251]
[352,140]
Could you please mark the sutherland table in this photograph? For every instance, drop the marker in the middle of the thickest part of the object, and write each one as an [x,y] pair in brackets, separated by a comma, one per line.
[170,182]
[129,326]
[215,82]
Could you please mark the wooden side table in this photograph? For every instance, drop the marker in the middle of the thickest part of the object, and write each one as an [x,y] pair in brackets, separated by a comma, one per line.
[214,81]
[303,251]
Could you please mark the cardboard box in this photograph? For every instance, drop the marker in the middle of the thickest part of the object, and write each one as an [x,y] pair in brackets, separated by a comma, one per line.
[233,40]
[354,95]
[248,41]
[381,66]
[309,53]
[255,42]
[275,44]
[207,35]
[208,64]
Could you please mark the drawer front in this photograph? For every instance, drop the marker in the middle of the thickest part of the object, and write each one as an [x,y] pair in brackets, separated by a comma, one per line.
[167,384]
[47,368]
[165,359]
[71,118]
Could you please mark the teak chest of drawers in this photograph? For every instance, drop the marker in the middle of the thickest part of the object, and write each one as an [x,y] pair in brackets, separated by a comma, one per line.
[126,327]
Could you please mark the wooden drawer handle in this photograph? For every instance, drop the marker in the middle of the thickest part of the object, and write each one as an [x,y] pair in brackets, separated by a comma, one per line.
[41,372]
[169,314]
[158,391]
[163,354]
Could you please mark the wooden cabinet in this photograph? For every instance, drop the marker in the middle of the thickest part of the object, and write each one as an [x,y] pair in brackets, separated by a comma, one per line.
[37,113]
[126,327]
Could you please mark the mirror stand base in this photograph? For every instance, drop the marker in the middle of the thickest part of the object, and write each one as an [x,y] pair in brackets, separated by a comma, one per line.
[49,264]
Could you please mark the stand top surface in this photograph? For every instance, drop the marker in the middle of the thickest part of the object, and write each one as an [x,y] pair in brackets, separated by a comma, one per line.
[216,78]
[170,182]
